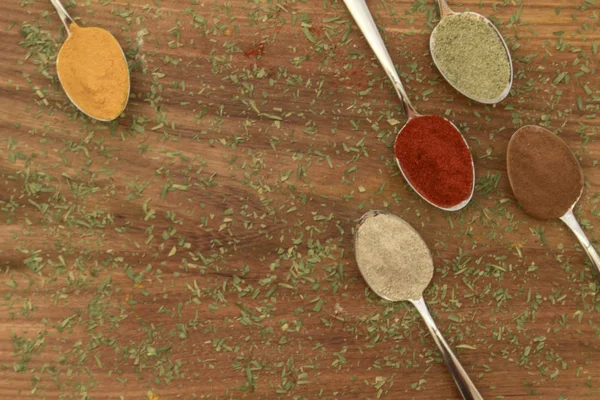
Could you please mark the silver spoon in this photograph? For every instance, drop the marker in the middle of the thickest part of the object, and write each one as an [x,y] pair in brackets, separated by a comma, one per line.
[417,245]
[67,21]
[530,203]
[361,14]
[570,220]
[445,11]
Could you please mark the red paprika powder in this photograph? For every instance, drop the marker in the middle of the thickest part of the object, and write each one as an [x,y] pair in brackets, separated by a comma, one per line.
[436,160]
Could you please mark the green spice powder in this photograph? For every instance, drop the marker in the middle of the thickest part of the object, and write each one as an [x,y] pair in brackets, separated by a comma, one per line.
[471,56]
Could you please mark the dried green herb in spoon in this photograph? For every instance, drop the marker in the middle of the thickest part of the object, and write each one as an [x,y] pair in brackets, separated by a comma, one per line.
[472,56]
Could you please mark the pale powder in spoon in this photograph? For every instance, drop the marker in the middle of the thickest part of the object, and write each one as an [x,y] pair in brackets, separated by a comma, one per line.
[393,258]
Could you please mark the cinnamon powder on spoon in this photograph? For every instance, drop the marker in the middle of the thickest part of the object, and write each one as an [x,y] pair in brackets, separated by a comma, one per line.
[543,172]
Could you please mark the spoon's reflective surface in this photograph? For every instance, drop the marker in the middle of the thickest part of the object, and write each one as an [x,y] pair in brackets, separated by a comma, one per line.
[445,11]
[570,220]
[568,205]
[67,21]
[361,14]
[463,382]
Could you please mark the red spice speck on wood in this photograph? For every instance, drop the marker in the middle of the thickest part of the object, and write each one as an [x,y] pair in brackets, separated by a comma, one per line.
[315,30]
[436,160]
[256,51]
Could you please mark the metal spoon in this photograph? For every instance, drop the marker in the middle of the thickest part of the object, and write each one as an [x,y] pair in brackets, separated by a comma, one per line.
[361,14]
[461,378]
[570,220]
[445,11]
[576,180]
[67,21]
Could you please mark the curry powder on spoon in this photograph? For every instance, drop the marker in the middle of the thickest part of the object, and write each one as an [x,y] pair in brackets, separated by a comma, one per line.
[93,72]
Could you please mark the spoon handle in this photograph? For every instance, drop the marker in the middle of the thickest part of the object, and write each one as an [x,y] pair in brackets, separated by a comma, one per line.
[62,14]
[465,385]
[570,220]
[361,14]
[444,8]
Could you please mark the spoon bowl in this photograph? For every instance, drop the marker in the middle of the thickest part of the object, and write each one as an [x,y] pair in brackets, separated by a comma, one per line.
[392,259]
[445,12]
[361,14]
[453,208]
[68,22]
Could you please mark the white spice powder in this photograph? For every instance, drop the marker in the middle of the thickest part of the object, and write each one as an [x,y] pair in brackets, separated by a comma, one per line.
[393,258]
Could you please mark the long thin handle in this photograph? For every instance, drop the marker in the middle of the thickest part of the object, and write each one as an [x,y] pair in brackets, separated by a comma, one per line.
[361,14]
[570,220]
[62,14]
[444,8]
[465,385]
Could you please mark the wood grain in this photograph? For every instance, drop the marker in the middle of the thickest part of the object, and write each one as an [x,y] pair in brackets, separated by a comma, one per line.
[201,246]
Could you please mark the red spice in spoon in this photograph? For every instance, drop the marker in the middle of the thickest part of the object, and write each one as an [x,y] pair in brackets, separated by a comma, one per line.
[435,160]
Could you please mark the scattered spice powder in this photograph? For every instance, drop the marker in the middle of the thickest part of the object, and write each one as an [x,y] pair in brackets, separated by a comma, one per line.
[470,54]
[436,160]
[256,51]
[93,72]
[543,172]
[392,257]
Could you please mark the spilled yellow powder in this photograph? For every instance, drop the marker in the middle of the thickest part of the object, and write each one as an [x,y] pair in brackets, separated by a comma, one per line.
[151,395]
[93,72]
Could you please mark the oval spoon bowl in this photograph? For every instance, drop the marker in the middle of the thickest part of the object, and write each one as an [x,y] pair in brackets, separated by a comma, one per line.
[68,23]
[436,61]
[453,208]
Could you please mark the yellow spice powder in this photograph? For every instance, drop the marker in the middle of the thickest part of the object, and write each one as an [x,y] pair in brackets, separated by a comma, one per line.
[93,72]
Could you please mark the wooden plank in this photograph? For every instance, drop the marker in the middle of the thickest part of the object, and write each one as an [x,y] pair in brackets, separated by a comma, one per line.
[201,247]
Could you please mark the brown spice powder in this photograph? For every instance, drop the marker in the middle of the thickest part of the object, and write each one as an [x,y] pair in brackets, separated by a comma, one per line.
[543,172]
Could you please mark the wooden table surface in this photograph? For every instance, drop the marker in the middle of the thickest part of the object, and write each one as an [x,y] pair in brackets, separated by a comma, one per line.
[201,246]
